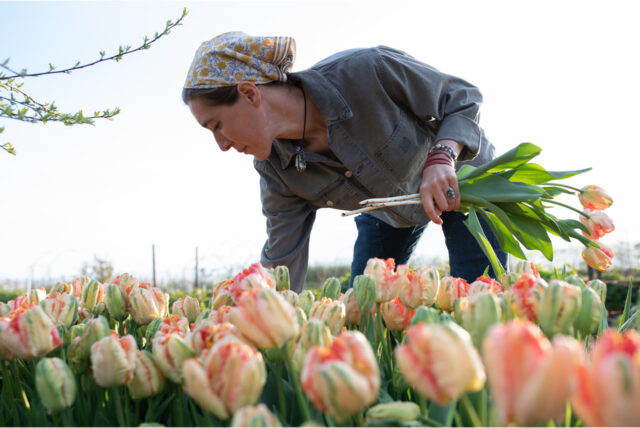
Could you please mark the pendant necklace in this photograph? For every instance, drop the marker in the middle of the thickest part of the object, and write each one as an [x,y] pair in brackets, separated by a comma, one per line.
[301,164]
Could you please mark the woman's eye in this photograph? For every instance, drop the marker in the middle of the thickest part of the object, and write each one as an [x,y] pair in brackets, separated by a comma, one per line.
[216,127]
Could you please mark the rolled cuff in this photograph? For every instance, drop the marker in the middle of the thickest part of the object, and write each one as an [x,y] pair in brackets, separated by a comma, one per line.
[463,130]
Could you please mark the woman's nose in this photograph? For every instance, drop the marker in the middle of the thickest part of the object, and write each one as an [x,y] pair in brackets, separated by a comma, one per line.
[223,143]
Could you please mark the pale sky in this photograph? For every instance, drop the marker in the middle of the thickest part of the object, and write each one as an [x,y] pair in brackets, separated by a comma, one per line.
[560,74]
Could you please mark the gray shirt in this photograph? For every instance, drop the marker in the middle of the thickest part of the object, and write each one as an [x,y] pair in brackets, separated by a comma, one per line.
[384,111]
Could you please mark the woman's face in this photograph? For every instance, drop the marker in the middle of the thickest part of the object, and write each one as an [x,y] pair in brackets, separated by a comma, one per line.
[241,125]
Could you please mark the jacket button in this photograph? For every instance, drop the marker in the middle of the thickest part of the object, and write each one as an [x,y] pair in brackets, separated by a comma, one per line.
[348,174]
[330,203]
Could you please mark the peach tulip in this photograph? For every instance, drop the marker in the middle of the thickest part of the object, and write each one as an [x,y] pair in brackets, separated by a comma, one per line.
[36,295]
[147,302]
[77,286]
[529,377]
[598,258]
[525,295]
[450,290]
[62,308]
[29,333]
[383,271]
[559,307]
[55,384]
[5,349]
[92,294]
[147,379]
[396,315]
[608,383]
[352,314]
[265,318]
[126,283]
[113,360]
[485,284]
[230,376]
[188,308]
[594,198]
[421,289]
[332,312]
[255,416]
[207,333]
[440,362]
[169,352]
[598,224]
[343,378]
[255,277]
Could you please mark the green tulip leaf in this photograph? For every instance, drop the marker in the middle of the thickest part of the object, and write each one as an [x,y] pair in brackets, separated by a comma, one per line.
[515,157]
[532,173]
[507,241]
[473,224]
[498,189]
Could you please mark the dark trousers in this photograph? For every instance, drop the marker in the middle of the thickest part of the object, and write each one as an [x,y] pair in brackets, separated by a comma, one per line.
[466,259]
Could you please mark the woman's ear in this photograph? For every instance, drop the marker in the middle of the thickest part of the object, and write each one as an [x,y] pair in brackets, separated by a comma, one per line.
[249,92]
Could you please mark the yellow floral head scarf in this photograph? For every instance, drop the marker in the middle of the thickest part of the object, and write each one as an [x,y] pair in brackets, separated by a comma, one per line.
[232,57]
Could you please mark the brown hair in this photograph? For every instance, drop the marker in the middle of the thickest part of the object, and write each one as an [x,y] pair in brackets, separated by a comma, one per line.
[224,95]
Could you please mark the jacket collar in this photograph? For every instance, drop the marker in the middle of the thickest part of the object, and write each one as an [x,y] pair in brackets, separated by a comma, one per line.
[332,105]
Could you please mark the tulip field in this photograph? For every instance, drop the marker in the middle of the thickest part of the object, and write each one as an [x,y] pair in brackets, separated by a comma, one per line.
[403,347]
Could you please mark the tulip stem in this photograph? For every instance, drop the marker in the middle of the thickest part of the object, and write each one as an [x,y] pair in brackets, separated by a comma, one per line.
[302,402]
[281,405]
[551,201]
[473,415]
[563,185]
[424,410]
[115,394]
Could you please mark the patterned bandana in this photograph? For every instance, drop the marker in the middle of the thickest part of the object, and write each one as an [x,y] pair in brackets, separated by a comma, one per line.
[230,58]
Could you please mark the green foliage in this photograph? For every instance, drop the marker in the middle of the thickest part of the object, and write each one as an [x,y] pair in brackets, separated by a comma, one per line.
[6,295]
[17,104]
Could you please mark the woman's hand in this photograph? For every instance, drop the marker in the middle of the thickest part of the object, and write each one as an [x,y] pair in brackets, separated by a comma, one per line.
[435,191]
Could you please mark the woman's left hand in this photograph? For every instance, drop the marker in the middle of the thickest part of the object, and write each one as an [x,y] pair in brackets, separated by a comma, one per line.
[439,191]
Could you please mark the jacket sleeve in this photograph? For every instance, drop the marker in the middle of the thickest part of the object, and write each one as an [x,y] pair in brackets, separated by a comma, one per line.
[289,223]
[428,93]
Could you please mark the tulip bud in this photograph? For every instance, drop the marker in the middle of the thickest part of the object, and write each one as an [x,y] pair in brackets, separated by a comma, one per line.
[440,362]
[36,295]
[450,290]
[393,411]
[483,311]
[92,294]
[575,280]
[290,296]
[61,308]
[306,300]
[77,286]
[364,287]
[230,376]
[300,317]
[559,307]
[396,316]
[598,224]
[221,295]
[255,277]
[608,383]
[485,284]
[169,352]
[598,258]
[116,302]
[530,378]
[265,318]
[523,266]
[94,330]
[55,384]
[417,288]
[425,315]
[331,288]
[343,378]
[61,287]
[600,287]
[590,312]
[255,416]
[126,283]
[352,314]
[113,360]
[5,350]
[30,333]
[146,303]
[383,271]
[148,379]
[594,198]
[281,274]
[332,312]
[152,329]
[524,297]
[188,308]
[508,279]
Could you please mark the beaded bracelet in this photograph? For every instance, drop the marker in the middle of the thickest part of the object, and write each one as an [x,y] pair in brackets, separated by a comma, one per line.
[447,149]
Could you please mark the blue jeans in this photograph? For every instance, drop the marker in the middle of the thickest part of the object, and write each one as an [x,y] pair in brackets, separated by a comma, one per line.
[466,259]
